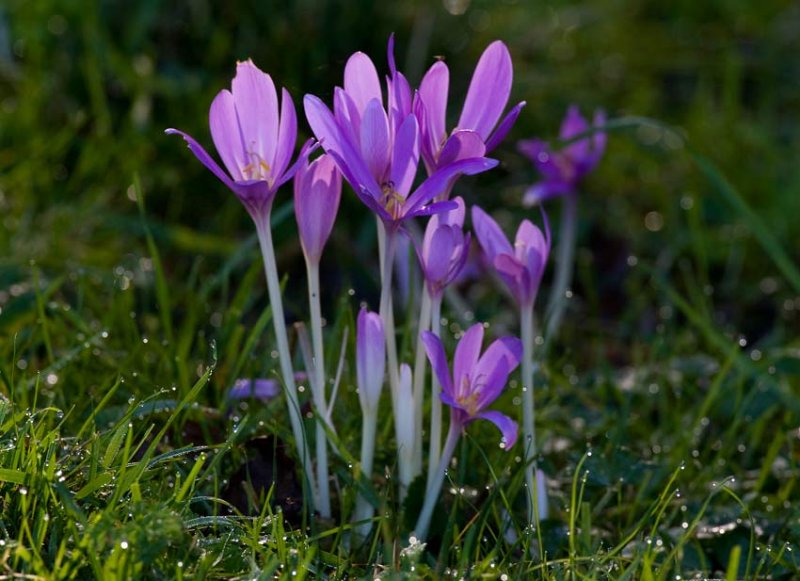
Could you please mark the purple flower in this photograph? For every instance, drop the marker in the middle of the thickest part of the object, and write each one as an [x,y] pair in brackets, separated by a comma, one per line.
[317,190]
[521,267]
[563,170]
[444,248]
[254,141]
[370,359]
[378,151]
[475,135]
[260,388]
[477,379]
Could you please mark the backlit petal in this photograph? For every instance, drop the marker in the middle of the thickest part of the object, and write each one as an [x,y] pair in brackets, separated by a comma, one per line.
[506,425]
[361,81]
[227,136]
[488,91]
[435,351]
[257,108]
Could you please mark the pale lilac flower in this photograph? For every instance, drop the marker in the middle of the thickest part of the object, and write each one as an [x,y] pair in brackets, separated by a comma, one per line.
[475,134]
[254,141]
[445,248]
[477,380]
[563,170]
[378,151]
[317,191]
[370,359]
[521,267]
[259,388]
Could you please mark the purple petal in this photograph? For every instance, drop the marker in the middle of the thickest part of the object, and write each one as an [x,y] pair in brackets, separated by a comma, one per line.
[435,184]
[466,356]
[330,137]
[496,363]
[432,209]
[375,139]
[405,156]
[347,116]
[506,425]
[370,357]
[488,91]
[257,108]
[505,126]
[399,100]
[529,237]
[490,236]
[435,351]
[308,148]
[260,388]
[436,262]
[361,81]
[579,152]
[433,94]
[462,144]
[204,157]
[317,190]
[287,135]
[227,135]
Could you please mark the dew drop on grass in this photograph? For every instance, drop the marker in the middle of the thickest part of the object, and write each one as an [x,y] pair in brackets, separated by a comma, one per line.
[124,545]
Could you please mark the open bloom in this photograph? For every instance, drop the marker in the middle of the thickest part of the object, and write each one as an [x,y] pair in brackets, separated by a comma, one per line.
[477,380]
[475,133]
[254,141]
[370,359]
[317,191]
[377,150]
[562,170]
[521,267]
[445,248]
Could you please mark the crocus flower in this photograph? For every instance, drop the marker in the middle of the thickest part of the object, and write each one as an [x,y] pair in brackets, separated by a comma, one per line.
[477,380]
[475,134]
[370,359]
[521,267]
[317,190]
[260,388]
[562,170]
[378,152]
[254,141]
[445,248]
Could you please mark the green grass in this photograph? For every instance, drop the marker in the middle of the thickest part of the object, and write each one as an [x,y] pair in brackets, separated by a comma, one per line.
[132,297]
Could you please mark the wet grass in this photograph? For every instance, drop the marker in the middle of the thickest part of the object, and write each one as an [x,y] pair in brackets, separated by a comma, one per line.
[132,297]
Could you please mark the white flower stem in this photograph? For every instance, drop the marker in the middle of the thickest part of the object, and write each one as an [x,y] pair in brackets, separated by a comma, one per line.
[528,411]
[323,481]
[419,377]
[436,401]
[387,317]
[364,510]
[564,266]
[432,493]
[264,231]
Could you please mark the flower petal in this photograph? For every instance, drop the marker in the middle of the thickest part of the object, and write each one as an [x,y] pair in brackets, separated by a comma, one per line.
[437,183]
[405,156]
[361,81]
[436,262]
[488,91]
[370,358]
[490,236]
[287,135]
[257,108]
[462,144]
[466,356]
[505,126]
[506,425]
[433,93]
[495,365]
[204,157]
[317,190]
[435,351]
[227,135]
[375,139]
[330,136]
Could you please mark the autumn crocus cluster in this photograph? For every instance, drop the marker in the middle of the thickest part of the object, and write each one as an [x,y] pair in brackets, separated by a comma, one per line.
[373,136]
